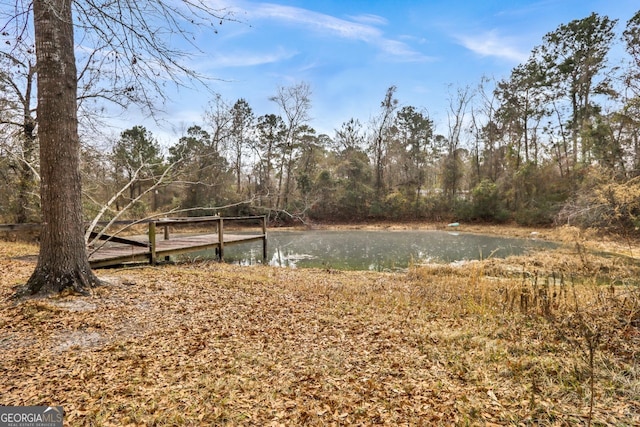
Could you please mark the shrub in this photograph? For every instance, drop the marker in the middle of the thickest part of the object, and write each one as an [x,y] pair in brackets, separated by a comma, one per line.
[536,215]
[607,205]
[485,204]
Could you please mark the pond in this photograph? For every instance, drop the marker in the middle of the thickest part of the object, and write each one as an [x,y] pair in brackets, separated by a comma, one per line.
[374,250]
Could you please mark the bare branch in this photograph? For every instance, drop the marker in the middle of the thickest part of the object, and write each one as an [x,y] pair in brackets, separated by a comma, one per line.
[107,206]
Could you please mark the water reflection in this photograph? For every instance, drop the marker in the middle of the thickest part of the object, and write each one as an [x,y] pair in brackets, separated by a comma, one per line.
[376,250]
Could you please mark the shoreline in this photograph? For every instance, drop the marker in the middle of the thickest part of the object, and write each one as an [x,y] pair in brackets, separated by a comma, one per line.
[565,234]
[590,239]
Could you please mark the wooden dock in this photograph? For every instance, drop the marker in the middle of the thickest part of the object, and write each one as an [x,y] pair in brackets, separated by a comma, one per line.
[119,251]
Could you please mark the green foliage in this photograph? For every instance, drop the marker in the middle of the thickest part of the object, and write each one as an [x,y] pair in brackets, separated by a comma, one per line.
[631,37]
[377,210]
[573,61]
[138,164]
[355,201]
[396,206]
[205,174]
[136,148]
[436,207]
[538,215]
[485,204]
[326,205]
[486,200]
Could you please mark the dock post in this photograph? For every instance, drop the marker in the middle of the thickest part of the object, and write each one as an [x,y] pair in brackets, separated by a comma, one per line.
[152,242]
[166,237]
[264,238]
[220,240]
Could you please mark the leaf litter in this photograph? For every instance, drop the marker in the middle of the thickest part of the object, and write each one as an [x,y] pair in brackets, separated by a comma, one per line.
[216,344]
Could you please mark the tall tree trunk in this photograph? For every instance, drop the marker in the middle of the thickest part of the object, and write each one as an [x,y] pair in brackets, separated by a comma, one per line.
[279,196]
[379,159]
[267,177]
[62,262]
[239,170]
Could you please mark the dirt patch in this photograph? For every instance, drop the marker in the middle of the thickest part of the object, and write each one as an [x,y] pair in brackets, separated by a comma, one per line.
[75,305]
[78,340]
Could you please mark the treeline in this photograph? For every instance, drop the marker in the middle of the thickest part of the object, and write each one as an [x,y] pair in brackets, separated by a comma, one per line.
[558,140]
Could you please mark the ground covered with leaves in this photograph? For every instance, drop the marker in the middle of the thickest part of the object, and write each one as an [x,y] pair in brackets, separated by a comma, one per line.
[549,339]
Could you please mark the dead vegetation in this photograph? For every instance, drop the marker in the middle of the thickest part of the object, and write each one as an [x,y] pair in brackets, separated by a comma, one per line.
[549,339]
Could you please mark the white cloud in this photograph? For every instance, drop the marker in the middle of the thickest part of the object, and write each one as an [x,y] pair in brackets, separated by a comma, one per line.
[361,27]
[369,18]
[246,59]
[316,21]
[491,43]
[529,9]
[419,40]
[400,50]
[239,59]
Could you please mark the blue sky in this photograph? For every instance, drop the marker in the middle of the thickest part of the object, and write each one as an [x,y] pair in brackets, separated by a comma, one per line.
[350,52]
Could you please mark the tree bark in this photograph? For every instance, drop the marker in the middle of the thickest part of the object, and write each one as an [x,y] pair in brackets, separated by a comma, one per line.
[62,263]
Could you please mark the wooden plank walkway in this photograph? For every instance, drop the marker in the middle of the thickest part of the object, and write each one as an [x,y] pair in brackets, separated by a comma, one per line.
[117,253]
[122,250]
[150,250]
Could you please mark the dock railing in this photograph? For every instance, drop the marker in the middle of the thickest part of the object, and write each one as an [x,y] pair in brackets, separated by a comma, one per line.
[130,249]
[218,221]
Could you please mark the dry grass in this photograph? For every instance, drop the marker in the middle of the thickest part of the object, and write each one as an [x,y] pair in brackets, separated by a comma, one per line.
[514,342]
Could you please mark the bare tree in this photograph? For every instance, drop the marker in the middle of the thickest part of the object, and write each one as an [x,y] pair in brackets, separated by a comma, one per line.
[271,130]
[134,41]
[138,35]
[17,111]
[241,135]
[456,119]
[381,128]
[349,136]
[295,103]
[219,120]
